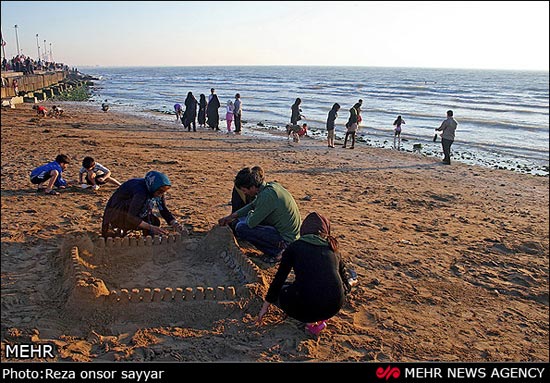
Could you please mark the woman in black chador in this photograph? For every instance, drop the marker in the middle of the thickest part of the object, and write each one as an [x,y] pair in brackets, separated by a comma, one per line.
[202,110]
[212,112]
[190,114]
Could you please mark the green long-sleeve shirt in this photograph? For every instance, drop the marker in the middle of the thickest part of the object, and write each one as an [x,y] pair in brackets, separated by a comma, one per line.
[274,206]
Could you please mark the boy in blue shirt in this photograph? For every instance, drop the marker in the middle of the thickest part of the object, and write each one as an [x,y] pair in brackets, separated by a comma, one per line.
[51,172]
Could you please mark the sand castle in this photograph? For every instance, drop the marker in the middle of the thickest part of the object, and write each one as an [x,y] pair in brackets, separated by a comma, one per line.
[160,277]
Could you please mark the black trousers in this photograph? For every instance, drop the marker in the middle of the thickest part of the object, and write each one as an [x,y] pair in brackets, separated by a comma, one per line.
[348,134]
[237,118]
[446,144]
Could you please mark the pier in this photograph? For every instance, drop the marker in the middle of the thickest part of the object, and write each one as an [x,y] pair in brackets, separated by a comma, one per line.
[32,88]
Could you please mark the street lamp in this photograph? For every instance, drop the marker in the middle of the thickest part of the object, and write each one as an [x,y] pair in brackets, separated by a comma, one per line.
[38,46]
[17,39]
[3,44]
[51,56]
[45,53]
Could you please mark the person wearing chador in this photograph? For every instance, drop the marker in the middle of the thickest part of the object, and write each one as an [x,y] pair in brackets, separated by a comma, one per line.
[212,112]
[202,110]
[190,114]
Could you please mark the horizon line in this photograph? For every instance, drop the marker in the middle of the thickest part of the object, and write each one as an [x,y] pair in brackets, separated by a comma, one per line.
[307,65]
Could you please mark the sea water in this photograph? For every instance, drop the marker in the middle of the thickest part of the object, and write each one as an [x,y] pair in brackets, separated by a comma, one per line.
[502,115]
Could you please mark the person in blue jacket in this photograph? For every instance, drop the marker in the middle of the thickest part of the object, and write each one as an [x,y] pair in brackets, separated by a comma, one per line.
[132,205]
[51,172]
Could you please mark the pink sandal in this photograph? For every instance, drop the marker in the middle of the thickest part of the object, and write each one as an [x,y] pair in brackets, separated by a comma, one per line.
[316,328]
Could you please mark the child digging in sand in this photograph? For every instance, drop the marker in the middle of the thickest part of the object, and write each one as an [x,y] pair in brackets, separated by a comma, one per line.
[296,132]
[94,174]
[40,110]
[51,172]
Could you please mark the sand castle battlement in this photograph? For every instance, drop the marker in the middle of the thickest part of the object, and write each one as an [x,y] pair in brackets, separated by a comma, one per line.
[169,272]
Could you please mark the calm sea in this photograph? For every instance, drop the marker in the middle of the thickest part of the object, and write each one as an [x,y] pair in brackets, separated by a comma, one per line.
[502,115]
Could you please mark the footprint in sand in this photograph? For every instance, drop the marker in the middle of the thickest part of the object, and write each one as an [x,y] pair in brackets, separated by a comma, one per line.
[364,320]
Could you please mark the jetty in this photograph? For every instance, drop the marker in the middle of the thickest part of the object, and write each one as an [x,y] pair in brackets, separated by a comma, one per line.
[18,87]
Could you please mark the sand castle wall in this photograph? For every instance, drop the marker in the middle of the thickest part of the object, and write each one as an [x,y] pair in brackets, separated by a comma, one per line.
[224,277]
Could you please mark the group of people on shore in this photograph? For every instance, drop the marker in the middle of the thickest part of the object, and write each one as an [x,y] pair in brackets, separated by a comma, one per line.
[208,115]
[207,112]
[447,127]
[263,213]
[27,65]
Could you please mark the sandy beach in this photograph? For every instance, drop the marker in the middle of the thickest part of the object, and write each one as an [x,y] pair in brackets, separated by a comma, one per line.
[453,261]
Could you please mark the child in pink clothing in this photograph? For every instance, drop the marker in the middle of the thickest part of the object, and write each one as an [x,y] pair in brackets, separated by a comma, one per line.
[229,115]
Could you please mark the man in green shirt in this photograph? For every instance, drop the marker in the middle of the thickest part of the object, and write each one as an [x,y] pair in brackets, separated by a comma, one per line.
[271,221]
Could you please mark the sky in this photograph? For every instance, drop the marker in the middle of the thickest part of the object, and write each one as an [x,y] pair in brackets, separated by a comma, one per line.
[432,34]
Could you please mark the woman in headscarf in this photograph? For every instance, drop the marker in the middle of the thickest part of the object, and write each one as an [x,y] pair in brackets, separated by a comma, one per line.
[320,282]
[202,110]
[212,112]
[190,114]
[131,207]
[296,115]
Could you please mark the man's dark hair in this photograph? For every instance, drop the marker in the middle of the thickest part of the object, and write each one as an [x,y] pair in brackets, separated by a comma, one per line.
[87,162]
[62,159]
[246,178]
[450,113]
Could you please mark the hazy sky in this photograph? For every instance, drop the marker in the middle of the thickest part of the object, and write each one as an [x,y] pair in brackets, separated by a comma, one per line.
[485,35]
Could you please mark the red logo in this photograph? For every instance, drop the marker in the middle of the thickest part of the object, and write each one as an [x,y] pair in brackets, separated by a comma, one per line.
[389,372]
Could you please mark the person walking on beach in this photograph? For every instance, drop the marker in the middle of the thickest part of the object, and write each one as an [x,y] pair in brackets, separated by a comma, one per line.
[190,114]
[331,119]
[212,111]
[238,113]
[397,132]
[296,115]
[271,221]
[94,174]
[447,128]
[318,290]
[351,126]
[202,110]
[51,172]
[131,207]
[229,114]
